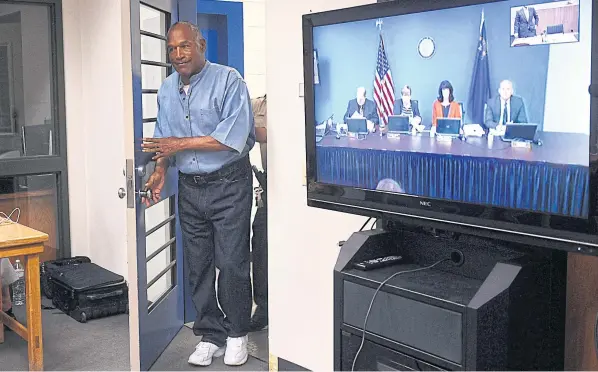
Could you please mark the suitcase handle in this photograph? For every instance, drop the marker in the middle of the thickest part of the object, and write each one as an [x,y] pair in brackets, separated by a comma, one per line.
[100,296]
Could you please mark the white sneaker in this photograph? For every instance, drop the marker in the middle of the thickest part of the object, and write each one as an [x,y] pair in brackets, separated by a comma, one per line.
[204,352]
[236,351]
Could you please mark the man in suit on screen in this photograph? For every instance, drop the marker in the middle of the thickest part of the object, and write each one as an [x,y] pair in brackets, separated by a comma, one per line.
[505,108]
[361,107]
[526,20]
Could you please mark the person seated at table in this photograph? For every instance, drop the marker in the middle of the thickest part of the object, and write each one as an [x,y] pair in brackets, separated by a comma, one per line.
[408,107]
[445,105]
[8,275]
[390,185]
[526,20]
[361,107]
[505,108]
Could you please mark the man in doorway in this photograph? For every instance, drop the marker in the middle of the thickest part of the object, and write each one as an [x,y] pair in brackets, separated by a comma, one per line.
[205,124]
[259,241]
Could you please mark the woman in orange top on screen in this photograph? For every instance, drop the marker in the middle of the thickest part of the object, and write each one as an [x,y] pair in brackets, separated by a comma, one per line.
[445,106]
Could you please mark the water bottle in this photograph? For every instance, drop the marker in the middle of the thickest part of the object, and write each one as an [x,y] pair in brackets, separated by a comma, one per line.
[18,287]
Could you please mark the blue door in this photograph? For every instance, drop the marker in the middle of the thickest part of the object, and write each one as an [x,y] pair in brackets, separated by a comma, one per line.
[159,284]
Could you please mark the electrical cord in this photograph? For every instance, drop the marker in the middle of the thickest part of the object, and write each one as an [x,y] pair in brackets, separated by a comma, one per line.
[596,335]
[6,219]
[367,314]
[364,225]
[374,224]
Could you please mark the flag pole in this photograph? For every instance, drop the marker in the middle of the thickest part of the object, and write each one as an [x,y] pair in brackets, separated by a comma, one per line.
[482,21]
[379,23]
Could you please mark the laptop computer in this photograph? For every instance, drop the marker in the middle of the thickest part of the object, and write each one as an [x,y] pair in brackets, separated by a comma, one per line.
[524,132]
[448,127]
[398,124]
[357,126]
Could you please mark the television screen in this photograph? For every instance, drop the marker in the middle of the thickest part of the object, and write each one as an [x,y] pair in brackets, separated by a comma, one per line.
[495,94]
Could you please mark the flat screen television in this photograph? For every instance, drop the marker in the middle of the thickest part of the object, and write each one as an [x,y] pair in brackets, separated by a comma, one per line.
[502,107]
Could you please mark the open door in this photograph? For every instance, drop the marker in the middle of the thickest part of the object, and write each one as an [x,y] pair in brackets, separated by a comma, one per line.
[159,307]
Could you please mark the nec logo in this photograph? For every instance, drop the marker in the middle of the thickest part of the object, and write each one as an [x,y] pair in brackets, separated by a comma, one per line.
[425,203]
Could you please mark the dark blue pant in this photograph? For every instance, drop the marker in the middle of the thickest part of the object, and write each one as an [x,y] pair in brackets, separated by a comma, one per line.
[215,214]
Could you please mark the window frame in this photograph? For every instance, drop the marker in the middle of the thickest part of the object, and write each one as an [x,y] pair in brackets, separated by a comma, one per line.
[55,164]
[11,93]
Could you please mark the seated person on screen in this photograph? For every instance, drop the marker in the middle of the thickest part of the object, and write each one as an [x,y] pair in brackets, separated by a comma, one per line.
[8,275]
[526,20]
[360,108]
[445,105]
[390,185]
[408,107]
[505,108]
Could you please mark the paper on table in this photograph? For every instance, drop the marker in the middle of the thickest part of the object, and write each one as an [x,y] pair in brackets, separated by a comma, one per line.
[357,115]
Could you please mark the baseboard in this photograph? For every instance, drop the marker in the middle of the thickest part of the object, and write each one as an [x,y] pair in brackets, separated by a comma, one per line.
[285,365]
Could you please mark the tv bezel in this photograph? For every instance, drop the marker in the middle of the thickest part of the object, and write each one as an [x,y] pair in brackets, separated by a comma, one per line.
[549,230]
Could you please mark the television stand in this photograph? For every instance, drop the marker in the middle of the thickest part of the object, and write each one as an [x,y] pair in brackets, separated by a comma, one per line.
[488,306]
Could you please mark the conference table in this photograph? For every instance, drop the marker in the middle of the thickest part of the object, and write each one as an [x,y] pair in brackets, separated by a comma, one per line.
[551,178]
[548,39]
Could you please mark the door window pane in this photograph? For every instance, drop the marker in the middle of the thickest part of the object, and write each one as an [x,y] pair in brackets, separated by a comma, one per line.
[152,20]
[27,122]
[153,49]
[150,105]
[159,248]
[152,76]
[36,198]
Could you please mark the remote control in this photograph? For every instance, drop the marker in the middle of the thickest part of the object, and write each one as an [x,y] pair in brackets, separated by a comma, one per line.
[377,263]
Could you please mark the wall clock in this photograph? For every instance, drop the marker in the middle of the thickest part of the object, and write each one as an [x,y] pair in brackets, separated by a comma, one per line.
[426,47]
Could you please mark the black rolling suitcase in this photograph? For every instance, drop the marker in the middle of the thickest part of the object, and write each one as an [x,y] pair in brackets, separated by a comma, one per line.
[50,268]
[87,291]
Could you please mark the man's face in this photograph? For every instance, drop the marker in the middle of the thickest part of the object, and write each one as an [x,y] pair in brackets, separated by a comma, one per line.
[406,95]
[505,90]
[186,56]
[361,97]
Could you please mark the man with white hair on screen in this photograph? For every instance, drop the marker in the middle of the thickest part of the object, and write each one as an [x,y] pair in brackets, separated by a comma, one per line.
[390,185]
[362,107]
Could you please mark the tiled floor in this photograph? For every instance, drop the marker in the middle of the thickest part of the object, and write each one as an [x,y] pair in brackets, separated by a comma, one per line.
[103,345]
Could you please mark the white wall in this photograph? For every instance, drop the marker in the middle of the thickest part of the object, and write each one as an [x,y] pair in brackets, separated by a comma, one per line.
[302,241]
[567,107]
[95,84]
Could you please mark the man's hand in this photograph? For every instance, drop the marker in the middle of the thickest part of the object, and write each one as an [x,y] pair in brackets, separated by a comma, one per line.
[163,147]
[155,183]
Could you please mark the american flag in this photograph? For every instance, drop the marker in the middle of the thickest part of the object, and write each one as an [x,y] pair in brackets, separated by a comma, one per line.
[384,91]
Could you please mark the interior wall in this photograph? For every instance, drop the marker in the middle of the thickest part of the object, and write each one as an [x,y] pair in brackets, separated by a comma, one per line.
[94,89]
[303,249]
[569,90]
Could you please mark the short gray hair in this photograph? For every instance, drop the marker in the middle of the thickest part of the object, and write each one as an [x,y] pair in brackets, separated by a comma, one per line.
[390,185]
[197,36]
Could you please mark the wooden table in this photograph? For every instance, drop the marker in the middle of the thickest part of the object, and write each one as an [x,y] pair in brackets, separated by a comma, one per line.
[19,240]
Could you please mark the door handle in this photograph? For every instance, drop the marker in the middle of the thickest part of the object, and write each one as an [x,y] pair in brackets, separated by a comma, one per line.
[145,194]
[122,193]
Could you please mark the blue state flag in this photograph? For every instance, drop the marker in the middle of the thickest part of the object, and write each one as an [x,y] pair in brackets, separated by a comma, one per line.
[479,90]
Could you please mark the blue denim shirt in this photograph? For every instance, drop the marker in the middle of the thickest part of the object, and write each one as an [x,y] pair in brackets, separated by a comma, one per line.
[216,105]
